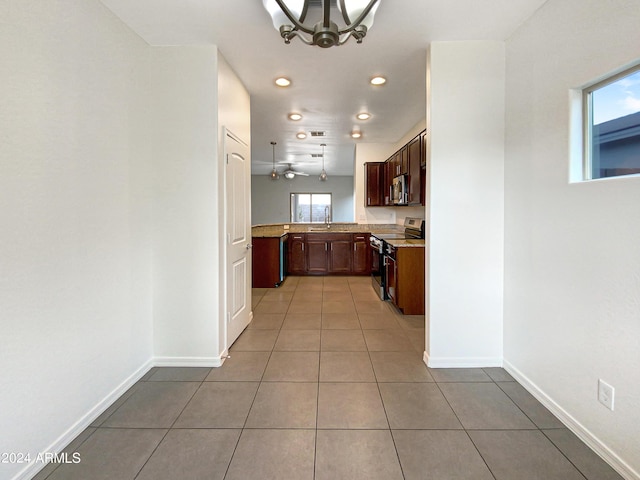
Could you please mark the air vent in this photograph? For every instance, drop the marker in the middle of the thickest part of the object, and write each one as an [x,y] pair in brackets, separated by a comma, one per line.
[317,155]
[317,133]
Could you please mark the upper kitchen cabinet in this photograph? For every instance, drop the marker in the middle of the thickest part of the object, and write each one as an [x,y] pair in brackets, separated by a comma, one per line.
[409,161]
[374,184]
[414,161]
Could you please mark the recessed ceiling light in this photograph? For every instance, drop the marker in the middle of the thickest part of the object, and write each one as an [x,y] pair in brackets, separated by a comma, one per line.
[378,80]
[283,82]
[363,116]
[295,117]
[301,135]
[356,134]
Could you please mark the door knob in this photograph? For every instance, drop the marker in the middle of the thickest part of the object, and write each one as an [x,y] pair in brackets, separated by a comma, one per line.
[249,246]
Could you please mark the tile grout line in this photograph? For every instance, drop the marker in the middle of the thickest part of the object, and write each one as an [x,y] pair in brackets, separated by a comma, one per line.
[169,429]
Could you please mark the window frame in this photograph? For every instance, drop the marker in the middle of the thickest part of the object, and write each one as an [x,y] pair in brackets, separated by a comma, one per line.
[311,194]
[587,120]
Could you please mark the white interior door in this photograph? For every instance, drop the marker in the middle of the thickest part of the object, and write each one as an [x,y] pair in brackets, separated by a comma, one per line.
[238,235]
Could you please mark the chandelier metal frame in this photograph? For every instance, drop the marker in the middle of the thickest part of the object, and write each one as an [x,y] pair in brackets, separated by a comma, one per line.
[325,33]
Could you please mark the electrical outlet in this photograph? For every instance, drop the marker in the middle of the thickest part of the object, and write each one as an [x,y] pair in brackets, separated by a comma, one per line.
[605,394]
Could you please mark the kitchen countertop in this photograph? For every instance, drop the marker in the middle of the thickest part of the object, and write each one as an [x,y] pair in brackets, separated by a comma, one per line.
[278,230]
[408,242]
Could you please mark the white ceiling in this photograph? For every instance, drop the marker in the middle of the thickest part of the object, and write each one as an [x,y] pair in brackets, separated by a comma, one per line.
[329,85]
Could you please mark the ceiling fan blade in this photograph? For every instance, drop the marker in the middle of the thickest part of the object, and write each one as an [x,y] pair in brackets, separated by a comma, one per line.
[300,173]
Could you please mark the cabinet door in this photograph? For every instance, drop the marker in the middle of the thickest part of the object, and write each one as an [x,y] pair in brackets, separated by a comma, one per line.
[361,255]
[391,273]
[317,251]
[409,280]
[388,178]
[296,255]
[414,153]
[340,256]
[374,174]
[404,160]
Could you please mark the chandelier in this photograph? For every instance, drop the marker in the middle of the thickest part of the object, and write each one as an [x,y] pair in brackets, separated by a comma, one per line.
[289,18]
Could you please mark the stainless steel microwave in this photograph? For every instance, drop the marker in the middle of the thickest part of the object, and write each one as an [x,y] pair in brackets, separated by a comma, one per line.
[400,190]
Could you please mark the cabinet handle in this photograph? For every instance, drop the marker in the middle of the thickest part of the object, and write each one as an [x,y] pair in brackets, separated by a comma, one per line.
[303,247]
[325,246]
[368,200]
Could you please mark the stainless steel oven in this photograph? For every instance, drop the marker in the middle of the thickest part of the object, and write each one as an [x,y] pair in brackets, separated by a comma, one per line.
[377,265]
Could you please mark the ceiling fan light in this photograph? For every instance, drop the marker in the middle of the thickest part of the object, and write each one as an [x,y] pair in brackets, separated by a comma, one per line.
[289,175]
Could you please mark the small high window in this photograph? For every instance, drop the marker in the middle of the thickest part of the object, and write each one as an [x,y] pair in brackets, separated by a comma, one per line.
[310,207]
[612,126]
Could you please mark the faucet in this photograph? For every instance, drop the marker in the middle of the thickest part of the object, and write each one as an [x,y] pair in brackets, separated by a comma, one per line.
[327,216]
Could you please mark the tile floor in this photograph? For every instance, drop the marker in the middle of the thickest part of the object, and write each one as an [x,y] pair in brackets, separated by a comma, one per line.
[328,383]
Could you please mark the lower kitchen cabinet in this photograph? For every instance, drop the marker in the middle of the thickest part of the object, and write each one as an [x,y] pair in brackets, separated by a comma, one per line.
[296,255]
[361,254]
[340,253]
[329,254]
[268,261]
[317,248]
[405,279]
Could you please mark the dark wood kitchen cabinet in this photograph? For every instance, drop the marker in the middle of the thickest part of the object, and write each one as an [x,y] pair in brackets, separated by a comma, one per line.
[340,253]
[405,280]
[317,253]
[329,254]
[374,183]
[414,155]
[361,254]
[296,264]
[267,262]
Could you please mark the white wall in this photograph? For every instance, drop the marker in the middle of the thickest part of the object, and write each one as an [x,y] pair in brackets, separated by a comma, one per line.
[572,262]
[75,215]
[186,179]
[197,95]
[380,152]
[270,199]
[465,236]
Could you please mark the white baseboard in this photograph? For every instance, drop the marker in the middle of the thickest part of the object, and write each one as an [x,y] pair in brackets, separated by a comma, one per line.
[77,428]
[574,425]
[461,362]
[190,361]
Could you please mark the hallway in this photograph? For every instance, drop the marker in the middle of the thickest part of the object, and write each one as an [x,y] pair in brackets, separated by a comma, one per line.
[328,383]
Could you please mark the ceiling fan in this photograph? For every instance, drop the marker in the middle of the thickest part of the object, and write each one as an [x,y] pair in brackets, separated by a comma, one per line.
[289,173]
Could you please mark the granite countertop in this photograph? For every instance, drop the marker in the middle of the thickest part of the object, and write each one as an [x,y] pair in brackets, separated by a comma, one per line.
[409,242]
[278,230]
